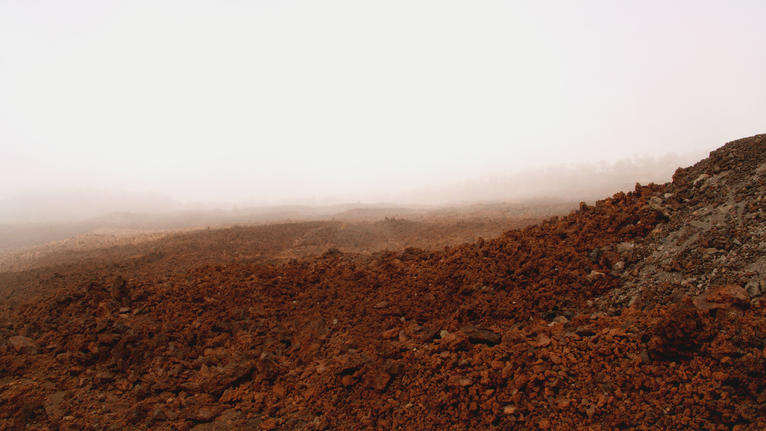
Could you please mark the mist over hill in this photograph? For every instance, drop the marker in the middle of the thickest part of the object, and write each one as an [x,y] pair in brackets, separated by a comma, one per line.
[584,181]
[36,218]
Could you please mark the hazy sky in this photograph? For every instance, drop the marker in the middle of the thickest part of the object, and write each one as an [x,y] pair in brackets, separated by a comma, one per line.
[279,100]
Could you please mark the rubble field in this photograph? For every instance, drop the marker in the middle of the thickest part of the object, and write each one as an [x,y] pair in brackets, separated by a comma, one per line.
[643,311]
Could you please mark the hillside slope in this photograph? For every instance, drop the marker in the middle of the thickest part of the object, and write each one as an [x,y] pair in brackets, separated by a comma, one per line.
[619,315]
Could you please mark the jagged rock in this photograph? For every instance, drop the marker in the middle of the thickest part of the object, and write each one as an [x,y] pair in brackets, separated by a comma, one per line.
[542,340]
[722,297]
[229,420]
[481,336]
[377,379]
[657,204]
[204,413]
[700,179]
[390,333]
[458,380]
[23,344]
[217,380]
[509,410]
[54,404]
[119,289]
[753,288]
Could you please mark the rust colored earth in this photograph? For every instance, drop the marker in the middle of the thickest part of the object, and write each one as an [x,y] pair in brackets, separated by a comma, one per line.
[643,311]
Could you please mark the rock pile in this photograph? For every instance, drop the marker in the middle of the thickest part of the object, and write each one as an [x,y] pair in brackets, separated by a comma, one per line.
[642,311]
[715,231]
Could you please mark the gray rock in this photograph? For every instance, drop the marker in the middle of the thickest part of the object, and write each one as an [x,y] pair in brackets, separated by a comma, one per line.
[753,288]
[625,247]
[700,179]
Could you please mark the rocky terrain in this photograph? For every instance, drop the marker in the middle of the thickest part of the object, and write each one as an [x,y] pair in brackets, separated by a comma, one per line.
[28,272]
[642,311]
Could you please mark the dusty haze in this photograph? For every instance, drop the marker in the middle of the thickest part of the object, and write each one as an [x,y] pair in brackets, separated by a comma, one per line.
[177,106]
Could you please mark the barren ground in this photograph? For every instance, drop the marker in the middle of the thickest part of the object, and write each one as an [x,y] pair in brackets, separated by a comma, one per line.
[643,311]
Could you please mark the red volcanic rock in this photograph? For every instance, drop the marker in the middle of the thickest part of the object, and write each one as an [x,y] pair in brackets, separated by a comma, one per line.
[541,340]
[679,333]
[458,380]
[538,328]
[269,424]
[481,336]
[22,344]
[378,379]
[722,297]
[390,333]
[119,289]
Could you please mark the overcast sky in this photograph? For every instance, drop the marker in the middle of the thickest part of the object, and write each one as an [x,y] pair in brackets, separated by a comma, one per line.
[272,101]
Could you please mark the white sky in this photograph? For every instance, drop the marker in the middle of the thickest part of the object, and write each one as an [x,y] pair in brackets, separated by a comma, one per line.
[267,101]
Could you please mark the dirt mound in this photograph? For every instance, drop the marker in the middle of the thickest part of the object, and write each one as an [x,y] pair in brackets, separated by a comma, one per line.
[583,321]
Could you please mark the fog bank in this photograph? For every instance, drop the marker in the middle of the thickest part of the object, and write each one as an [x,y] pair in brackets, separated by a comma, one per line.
[166,106]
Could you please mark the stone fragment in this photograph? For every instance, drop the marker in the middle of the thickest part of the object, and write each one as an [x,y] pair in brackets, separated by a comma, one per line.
[595,274]
[216,380]
[54,405]
[542,340]
[658,205]
[509,410]
[104,377]
[425,334]
[458,380]
[119,289]
[158,415]
[228,420]
[625,247]
[390,333]
[269,424]
[590,410]
[206,413]
[394,368]
[23,344]
[753,288]
[378,380]
[678,334]
[455,341]
[722,297]
[481,336]
[700,179]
